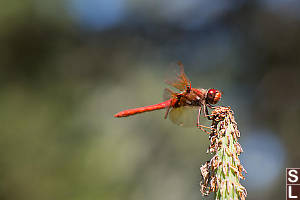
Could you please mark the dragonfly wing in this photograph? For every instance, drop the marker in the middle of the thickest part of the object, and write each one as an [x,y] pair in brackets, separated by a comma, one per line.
[184,116]
[168,94]
[181,82]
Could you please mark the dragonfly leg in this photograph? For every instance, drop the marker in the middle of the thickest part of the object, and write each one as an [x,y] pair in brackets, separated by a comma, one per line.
[198,117]
[202,128]
[210,106]
[167,111]
[198,121]
[206,114]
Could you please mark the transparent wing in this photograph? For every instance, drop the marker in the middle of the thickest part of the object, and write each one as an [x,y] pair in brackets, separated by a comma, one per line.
[184,116]
[168,94]
[181,82]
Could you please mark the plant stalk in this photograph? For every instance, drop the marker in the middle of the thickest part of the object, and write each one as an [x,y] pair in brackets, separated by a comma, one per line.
[223,172]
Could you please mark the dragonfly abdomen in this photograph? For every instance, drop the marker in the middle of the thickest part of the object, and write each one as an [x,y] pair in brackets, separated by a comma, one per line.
[134,111]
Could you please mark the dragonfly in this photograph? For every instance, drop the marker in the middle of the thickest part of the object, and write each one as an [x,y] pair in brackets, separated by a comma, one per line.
[186,99]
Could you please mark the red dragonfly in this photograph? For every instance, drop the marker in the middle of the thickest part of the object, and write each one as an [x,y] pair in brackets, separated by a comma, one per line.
[179,102]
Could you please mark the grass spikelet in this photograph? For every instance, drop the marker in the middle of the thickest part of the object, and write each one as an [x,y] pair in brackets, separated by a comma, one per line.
[223,172]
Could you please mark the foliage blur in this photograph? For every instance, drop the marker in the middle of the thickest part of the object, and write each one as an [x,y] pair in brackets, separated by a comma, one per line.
[67,66]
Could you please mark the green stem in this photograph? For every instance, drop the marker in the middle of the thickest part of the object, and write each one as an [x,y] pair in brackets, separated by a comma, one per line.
[222,173]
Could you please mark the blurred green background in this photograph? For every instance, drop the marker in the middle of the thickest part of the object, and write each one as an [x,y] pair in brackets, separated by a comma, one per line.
[66,67]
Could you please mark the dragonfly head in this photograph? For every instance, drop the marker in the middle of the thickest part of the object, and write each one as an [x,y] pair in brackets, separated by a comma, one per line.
[213,96]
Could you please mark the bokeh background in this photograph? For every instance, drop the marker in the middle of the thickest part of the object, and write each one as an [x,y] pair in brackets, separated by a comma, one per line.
[66,67]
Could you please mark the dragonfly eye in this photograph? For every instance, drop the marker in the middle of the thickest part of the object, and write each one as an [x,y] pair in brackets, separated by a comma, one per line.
[213,96]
